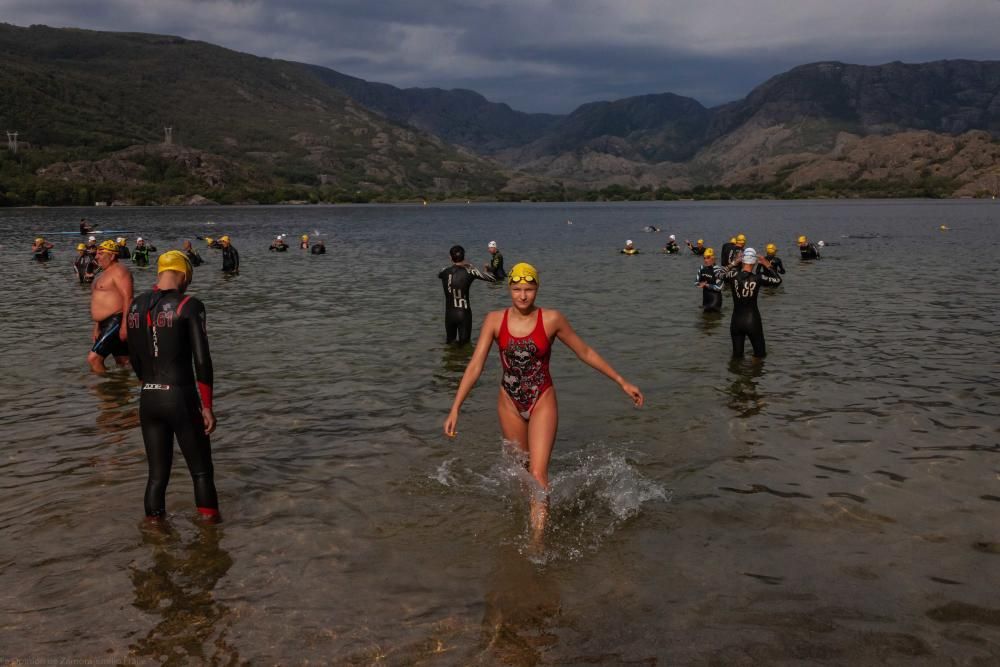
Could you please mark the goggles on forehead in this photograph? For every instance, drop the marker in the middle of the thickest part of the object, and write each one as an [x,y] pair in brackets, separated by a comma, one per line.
[526,279]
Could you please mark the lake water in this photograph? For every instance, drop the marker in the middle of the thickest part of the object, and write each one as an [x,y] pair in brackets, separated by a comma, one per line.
[837,504]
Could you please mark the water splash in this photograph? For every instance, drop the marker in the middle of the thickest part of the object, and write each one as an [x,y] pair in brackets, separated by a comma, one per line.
[592,494]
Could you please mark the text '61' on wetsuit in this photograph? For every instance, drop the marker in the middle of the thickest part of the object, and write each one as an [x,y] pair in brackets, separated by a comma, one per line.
[166,335]
[746,318]
[525,364]
[456,280]
[711,294]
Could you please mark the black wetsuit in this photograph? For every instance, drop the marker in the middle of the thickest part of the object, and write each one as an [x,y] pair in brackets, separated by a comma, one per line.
[140,256]
[194,257]
[735,255]
[725,253]
[318,249]
[86,268]
[776,265]
[456,280]
[746,318]
[809,251]
[124,252]
[167,334]
[496,266]
[278,247]
[671,248]
[697,250]
[711,299]
[42,254]
[230,259]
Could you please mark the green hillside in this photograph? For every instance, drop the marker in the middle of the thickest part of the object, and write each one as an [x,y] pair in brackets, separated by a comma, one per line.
[90,109]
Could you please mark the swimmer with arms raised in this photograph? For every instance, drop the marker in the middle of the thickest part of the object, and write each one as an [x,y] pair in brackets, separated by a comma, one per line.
[526,404]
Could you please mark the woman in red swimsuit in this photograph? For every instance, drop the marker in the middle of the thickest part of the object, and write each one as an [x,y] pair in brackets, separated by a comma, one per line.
[526,405]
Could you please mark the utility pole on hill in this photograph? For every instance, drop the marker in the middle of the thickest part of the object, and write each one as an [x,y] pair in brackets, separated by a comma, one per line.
[168,136]
[12,142]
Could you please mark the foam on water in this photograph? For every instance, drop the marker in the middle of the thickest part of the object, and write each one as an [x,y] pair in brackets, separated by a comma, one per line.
[592,493]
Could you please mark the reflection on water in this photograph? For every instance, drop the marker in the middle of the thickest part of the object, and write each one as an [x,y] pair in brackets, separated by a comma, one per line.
[744,398]
[522,603]
[177,588]
[117,411]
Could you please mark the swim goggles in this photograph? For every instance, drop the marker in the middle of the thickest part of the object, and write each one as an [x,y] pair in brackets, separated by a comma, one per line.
[525,279]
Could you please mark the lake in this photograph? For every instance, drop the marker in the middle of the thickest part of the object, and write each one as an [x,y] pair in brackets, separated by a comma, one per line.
[836,504]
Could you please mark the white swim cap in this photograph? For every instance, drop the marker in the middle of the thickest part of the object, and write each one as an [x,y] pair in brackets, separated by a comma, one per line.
[92,238]
[749,256]
[138,239]
[120,240]
[821,244]
[491,244]
[673,238]
[629,242]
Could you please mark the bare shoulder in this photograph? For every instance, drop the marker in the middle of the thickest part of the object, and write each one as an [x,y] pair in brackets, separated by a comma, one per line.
[552,318]
[494,317]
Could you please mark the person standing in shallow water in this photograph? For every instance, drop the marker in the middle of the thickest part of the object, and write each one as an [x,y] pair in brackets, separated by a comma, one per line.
[111,295]
[710,280]
[230,258]
[746,322]
[526,404]
[495,267]
[456,281]
[168,347]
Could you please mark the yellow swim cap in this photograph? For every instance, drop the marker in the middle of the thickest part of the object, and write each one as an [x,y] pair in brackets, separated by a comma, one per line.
[224,238]
[700,241]
[523,272]
[740,238]
[305,237]
[108,246]
[208,239]
[708,253]
[39,240]
[802,240]
[121,241]
[732,240]
[81,246]
[174,260]
[771,248]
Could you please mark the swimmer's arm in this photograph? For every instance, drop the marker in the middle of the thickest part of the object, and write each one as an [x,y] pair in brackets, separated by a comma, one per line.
[487,333]
[481,276]
[203,371]
[589,356]
[124,286]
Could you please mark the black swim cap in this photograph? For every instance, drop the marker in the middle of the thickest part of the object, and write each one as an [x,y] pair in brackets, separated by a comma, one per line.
[457,253]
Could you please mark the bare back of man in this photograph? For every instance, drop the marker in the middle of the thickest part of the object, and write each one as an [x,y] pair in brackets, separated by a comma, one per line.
[111,295]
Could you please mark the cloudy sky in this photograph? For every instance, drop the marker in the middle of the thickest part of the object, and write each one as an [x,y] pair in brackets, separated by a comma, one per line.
[552,55]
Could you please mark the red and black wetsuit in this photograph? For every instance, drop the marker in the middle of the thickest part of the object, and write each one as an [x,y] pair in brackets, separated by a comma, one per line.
[168,348]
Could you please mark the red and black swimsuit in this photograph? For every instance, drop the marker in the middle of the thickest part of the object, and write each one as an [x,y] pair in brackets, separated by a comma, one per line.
[525,365]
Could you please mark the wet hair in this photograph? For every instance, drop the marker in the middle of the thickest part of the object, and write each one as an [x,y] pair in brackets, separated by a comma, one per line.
[457,253]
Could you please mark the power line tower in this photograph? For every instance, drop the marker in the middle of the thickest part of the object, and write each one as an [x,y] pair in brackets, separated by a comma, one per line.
[168,136]
[12,142]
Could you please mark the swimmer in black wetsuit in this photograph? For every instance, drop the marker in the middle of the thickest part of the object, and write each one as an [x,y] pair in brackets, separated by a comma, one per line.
[167,334]
[710,280]
[698,249]
[772,256]
[278,244]
[807,250]
[85,265]
[123,251]
[746,287]
[192,254]
[140,256]
[671,248]
[495,267]
[85,227]
[230,258]
[456,280]
[40,250]
[318,248]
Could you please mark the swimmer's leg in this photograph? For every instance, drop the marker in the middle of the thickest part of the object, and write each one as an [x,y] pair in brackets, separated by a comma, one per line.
[513,427]
[450,326]
[96,362]
[757,341]
[465,327]
[738,342]
[197,450]
[158,438]
[542,429]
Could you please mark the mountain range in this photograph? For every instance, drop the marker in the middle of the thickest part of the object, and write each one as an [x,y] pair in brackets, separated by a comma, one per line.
[93,107]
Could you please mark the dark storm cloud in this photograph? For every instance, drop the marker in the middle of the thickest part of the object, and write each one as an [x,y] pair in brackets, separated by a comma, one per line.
[551,55]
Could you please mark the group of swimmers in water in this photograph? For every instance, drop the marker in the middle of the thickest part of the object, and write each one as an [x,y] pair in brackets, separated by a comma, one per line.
[524,334]
[162,335]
